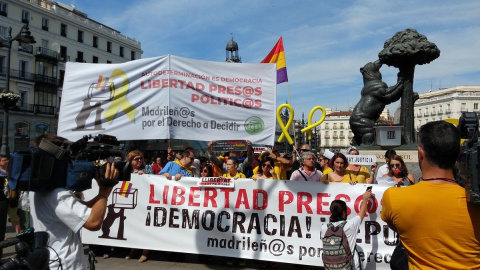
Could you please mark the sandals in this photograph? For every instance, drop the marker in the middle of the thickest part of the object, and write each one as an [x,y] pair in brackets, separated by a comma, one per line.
[142,259]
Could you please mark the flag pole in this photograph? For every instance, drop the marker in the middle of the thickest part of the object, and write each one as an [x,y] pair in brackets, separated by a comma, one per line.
[290,100]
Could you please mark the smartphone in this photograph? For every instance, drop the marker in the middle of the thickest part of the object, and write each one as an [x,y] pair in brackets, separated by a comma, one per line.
[369,188]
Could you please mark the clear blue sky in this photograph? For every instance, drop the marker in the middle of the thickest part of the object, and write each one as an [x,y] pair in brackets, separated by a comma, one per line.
[326,42]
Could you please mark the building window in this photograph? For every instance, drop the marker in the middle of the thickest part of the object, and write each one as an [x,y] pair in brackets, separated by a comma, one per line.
[475,106]
[3,31]
[95,42]
[95,59]
[80,36]
[62,77]
[109,62]
[63,30]
[45,24]
[44,100]
[79,57]
[41,129]
[3,9]
[23,69]
[109,46]
[2,65]
[25,16]
[463,107]
[21,130]
[63,54]
[121,51]
[132,55]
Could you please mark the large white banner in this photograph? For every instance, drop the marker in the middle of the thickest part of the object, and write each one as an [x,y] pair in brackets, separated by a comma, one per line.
[170,97]
[275,220]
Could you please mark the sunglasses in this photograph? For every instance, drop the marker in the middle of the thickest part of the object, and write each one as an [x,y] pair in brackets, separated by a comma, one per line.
[395,165]
[304,150]
[205,171]
[138,159]
[267,165]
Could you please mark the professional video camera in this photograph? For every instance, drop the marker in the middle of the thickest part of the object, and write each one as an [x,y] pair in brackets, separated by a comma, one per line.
[467,164]
[61,163]
[31,249]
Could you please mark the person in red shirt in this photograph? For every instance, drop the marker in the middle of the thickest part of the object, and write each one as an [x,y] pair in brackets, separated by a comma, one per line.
[157,166]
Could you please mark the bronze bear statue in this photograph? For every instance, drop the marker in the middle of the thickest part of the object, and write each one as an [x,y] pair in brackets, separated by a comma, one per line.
[375,96]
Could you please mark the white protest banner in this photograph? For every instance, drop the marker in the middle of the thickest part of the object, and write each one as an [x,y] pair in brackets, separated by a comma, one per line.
[273,220]
[361,159]
[169,97]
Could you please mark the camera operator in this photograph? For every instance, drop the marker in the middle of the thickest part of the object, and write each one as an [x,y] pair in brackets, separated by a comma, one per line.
[61,214]
[437,226]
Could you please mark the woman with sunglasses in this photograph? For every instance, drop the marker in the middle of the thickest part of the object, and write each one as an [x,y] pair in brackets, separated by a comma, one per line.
[399,172]
[265,169]
[137,162]
[206,171]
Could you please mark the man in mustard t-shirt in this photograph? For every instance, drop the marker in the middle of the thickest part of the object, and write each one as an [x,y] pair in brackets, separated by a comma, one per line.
[437,226]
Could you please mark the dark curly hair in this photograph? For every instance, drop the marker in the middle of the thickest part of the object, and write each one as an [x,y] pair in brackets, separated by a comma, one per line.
[337,208]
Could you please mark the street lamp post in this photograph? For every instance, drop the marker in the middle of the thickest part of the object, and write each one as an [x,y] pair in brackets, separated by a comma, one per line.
[24,37]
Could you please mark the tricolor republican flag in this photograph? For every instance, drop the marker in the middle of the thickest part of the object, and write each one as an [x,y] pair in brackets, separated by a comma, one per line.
[125,189]
[277,55]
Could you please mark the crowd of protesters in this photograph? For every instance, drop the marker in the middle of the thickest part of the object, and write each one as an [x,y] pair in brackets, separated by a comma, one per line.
[301,165]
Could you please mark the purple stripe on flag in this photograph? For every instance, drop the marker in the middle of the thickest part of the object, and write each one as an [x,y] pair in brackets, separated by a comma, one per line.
[282,75]
[128,190]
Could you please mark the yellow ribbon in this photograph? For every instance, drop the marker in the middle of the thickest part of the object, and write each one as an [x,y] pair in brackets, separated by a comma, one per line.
[283,127]
[310,126]
[120,101]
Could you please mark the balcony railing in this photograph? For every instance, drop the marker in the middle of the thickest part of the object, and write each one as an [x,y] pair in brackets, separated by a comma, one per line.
[448,111]
[46,79]
[47,53]
[17,74]
[433,113]
[35,108]
[440,112]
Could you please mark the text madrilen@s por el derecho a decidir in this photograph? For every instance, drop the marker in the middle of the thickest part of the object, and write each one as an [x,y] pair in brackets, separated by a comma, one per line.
[212,124]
